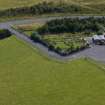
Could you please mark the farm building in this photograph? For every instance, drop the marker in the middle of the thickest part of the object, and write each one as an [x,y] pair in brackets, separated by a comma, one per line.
[99,39]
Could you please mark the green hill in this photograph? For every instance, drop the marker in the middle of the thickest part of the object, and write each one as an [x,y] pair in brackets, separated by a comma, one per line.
[27,78]
[83,7]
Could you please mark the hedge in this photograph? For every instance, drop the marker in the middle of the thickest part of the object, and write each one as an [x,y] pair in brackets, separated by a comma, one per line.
[4,33]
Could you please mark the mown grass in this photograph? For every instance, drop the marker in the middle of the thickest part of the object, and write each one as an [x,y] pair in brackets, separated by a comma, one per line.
[27,78]
[4,4]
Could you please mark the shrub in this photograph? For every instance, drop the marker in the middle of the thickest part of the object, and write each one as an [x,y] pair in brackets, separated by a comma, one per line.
[73,25]
[4,33]
[35,36]
[43,8]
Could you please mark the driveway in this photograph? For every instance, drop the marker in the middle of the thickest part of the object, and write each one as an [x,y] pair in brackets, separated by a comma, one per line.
[96,53]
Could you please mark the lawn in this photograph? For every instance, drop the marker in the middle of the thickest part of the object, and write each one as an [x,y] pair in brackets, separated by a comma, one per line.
[27,78]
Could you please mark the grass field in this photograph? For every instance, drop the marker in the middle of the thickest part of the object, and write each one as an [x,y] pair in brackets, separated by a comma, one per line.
[4,4]
[27,78]
[95,4]
[58,41]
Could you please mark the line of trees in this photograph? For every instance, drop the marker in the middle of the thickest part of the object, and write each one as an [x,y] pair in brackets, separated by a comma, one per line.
[73,25]
[44,8]
[4,33]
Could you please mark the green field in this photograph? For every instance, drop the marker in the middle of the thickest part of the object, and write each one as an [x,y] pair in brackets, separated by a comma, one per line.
[94,4]
[27,78]
[4,4]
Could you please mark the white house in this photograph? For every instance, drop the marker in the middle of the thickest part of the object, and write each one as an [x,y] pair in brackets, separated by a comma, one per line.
[99,39]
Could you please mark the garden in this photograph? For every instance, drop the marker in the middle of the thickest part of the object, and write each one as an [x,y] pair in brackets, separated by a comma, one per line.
[4,33]
[63,43]
[64,36]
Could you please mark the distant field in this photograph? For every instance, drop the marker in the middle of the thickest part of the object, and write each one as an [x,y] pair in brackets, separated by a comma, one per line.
[95,4]
[64,42]
[27,78]
[16,3]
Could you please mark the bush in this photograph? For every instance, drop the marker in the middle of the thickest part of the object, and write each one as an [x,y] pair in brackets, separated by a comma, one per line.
[35,36]
[4,33]
[73,25]
[43,8]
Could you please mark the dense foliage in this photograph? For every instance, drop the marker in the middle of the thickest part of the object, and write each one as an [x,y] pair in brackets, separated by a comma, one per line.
[73,25]
[4,33]
[43,8]
[62,44]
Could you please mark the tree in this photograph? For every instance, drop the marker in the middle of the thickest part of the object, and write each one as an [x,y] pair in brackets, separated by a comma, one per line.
[35,36]
[4,33]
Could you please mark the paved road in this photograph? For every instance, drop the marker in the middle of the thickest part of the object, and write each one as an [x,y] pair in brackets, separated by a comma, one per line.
[42,20]
[96,52]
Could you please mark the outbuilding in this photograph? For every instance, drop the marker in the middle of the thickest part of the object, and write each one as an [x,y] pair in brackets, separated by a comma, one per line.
[99,39]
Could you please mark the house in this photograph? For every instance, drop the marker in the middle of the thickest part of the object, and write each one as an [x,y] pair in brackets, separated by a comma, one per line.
[98,39]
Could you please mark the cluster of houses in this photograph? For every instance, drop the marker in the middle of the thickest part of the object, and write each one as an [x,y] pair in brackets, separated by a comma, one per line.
[98,39]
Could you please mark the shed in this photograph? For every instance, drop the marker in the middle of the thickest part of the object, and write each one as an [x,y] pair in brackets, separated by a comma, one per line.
[99,39]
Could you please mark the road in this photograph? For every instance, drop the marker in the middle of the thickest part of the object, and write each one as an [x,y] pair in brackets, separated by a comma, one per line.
[42,20]
[96,52]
